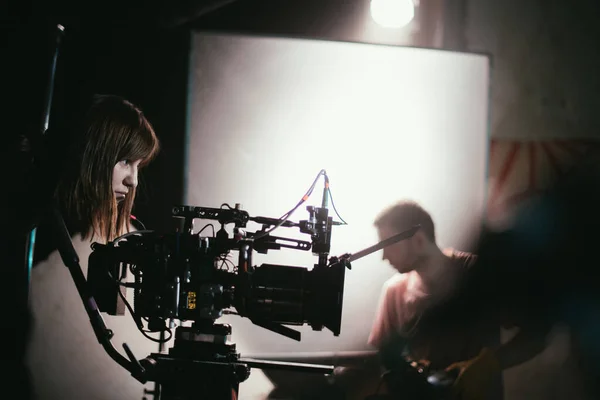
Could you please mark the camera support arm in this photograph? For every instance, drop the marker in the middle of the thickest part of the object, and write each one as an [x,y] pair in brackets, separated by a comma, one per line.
[103,334]
[348,257]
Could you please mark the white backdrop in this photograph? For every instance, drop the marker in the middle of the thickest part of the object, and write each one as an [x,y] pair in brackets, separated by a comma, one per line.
[266,114]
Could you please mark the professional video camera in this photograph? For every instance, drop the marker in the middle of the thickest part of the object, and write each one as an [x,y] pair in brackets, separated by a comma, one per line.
[182,276]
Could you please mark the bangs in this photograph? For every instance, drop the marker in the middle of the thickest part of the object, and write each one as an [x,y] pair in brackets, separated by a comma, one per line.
[141,144]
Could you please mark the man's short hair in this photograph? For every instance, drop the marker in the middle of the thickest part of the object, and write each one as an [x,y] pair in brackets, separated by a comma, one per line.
[404,215]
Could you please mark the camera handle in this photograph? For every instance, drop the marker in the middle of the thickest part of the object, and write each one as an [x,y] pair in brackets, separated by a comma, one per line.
[71,261]
[347,258]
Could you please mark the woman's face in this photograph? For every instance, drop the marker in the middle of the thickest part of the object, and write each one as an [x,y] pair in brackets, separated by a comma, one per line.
[124,178]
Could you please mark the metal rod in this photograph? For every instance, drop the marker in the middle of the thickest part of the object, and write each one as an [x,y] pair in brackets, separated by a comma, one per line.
[30,240]
[384,243]
[288,366]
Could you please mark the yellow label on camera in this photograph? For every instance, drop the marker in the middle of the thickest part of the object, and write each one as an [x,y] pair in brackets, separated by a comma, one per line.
[191,300]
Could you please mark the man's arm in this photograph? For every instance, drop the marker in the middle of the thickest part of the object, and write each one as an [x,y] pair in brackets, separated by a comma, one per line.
[388,313]
[530,341]
[384,336]
[477,374]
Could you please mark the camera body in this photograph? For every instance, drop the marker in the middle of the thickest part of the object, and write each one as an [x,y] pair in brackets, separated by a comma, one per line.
[185,276]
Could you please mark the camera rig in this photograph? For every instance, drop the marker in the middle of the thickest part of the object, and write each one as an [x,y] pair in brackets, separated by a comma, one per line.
[187,277]
[181,276]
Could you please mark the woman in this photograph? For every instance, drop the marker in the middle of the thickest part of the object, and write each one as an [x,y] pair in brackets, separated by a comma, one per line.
[98,188]
[95,193]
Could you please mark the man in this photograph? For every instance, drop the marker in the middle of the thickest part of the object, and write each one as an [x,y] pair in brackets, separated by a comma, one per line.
[445,308]
[431,312]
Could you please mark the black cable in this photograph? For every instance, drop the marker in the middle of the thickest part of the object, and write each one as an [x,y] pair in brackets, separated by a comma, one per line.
[137,320]
[334,209]
[205,226]
[137,222]
[288,214]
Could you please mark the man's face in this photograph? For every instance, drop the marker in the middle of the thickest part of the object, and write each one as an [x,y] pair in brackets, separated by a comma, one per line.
[401,255]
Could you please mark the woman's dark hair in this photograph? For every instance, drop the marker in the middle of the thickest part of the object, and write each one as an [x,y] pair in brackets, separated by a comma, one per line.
[113,129]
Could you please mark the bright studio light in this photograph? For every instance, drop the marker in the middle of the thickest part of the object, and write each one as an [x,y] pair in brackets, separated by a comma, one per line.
[392,13]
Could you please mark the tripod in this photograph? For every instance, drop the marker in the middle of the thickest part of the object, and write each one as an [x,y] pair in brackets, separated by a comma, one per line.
[204,364]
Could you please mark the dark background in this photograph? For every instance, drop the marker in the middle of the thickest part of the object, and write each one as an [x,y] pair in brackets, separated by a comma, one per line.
[139,50]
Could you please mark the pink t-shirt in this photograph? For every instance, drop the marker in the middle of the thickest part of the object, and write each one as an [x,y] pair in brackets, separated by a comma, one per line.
[437,328]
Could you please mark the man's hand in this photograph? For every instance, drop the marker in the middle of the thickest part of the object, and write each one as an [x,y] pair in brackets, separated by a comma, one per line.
[474,376]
